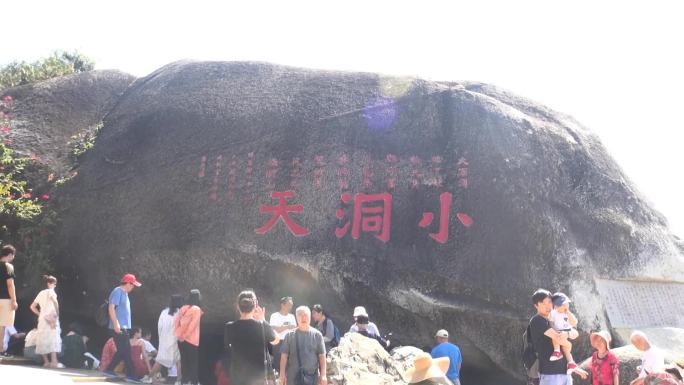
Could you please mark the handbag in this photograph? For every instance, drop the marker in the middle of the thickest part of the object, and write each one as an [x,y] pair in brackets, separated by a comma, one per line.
[270,377]
[303,377]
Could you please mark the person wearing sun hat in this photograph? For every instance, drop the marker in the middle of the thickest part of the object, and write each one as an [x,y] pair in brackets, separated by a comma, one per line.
[428,371]
[372,329]
[604,365]
[120,324]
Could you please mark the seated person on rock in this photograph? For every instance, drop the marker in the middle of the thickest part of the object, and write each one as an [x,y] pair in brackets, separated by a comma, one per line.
[74,350]
[360,311]
[362,324]
[652,359]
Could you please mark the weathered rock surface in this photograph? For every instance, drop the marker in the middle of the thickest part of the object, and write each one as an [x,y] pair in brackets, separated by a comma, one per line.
[47,114]
[359,361]
[189,155]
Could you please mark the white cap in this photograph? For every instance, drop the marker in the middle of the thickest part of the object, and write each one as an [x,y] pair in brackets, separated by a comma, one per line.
[442,333]
[360,311]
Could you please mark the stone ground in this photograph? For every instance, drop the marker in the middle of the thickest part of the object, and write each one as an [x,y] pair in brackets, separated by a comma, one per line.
[16,371]
[17,374]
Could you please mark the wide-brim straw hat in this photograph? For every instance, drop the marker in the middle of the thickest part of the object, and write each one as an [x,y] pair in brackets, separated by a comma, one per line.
[425,367]
[604,335]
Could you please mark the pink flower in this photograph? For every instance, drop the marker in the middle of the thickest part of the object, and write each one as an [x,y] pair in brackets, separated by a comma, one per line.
[45,196]
[8,141]
[7,98]
[4,129]
[27,195]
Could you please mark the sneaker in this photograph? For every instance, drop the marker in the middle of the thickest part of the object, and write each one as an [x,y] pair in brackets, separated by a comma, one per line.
[5,355]
[572,366]
[131,380]
[556,356]
[109,374]
[146,380]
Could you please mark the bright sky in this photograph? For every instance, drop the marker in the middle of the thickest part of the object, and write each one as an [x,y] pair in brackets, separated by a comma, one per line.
[617,66]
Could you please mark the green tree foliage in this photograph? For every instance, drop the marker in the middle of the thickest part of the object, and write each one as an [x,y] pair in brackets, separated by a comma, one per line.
[60,63]
[15,199]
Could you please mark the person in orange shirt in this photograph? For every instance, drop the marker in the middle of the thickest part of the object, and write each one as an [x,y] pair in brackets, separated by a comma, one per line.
[187,325]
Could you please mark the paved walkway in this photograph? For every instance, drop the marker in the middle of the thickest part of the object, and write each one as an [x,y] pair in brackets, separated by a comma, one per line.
[29,375]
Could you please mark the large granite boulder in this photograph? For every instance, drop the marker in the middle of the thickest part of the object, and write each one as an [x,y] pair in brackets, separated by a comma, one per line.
[434,204]
[47,115]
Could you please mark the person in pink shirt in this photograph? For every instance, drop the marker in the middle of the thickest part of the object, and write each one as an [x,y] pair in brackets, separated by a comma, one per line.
[187,325]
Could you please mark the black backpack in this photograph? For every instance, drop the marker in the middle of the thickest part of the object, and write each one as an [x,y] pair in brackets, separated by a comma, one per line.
[529,355]
[102,315]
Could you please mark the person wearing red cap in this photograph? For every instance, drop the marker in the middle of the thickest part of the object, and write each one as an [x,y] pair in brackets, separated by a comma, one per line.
[120,325]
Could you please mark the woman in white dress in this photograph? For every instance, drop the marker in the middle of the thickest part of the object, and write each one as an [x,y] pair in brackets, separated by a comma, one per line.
[168,354]
[46,307]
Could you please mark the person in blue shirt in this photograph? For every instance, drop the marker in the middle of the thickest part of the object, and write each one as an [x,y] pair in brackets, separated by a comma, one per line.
[444,348]
[120,325]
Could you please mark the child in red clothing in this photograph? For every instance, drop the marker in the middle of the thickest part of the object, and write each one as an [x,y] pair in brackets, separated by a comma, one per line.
[605,366]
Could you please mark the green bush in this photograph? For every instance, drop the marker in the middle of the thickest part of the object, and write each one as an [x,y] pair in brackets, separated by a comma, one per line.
[60,63]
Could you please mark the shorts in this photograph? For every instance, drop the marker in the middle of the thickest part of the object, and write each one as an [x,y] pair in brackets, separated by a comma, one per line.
[555,379]
[6,312]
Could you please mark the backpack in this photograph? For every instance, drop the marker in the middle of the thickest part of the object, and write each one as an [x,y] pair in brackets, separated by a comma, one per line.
[102,315]
[529,355]
[337,335]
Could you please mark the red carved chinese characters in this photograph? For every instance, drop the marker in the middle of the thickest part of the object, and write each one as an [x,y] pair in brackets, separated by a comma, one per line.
[436,171]
[249,177]
[416,173]
[271,173]
[214,185]
[391,171]
[232,177]
[343,172]
[366,173]
[203,167]
[318,171]
[462,172]
[442,235]
[372,214]
[281,212]
[296,173]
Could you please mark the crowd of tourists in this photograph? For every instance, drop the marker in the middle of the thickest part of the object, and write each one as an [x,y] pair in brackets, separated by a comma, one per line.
[289,349]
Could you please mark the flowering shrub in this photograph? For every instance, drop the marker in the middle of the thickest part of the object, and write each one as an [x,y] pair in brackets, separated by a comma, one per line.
[16,200]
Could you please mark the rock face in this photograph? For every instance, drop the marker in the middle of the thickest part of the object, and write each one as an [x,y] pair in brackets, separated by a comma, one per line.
[433,204]
[359,360]
[48,113]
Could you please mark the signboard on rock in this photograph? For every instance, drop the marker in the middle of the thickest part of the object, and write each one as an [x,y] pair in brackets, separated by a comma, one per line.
[642,304]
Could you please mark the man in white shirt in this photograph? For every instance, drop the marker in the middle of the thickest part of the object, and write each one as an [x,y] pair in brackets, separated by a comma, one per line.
[652,359]
[282,323]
